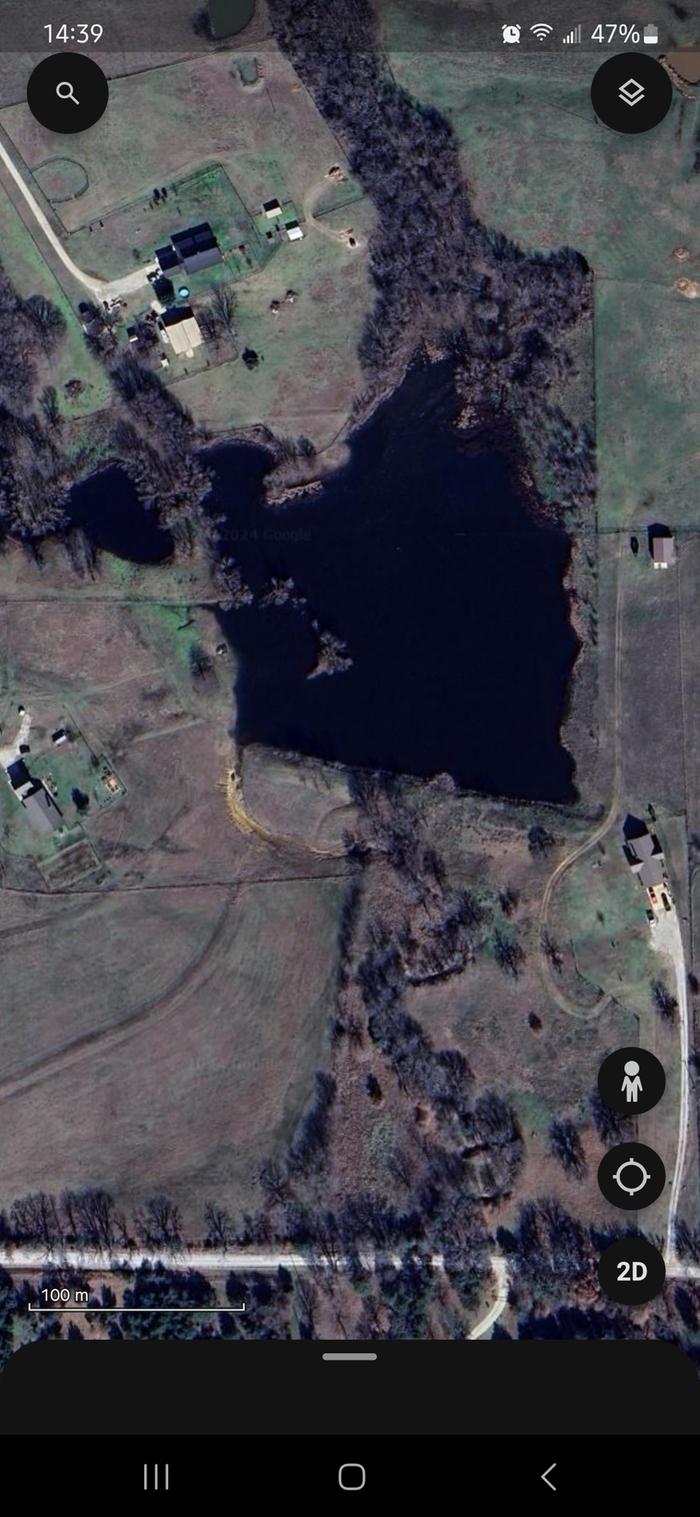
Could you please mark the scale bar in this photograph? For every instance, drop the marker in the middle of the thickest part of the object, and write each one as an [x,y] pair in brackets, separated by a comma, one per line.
[58,1311]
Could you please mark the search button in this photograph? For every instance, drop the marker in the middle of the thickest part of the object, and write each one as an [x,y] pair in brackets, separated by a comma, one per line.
[67,93]
[64,90]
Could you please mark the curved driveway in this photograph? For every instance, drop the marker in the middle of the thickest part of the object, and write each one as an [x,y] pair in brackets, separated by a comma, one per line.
[100,289]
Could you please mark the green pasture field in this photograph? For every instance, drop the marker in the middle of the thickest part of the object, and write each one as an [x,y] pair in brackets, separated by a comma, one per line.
[166,122]
[179,1047]
[22,261]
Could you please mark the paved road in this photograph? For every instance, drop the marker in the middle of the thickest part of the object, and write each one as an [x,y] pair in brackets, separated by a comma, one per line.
[100,289]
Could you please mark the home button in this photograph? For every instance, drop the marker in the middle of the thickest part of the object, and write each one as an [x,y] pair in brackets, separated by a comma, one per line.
[352,1477]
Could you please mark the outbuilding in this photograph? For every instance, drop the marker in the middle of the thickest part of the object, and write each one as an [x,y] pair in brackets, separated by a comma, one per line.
[663,550]
[42,812]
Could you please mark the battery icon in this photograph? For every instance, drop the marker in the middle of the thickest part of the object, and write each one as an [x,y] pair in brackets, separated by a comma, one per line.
[651,34]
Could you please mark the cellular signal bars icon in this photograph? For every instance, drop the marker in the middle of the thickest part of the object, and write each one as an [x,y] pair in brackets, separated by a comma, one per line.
[573,36]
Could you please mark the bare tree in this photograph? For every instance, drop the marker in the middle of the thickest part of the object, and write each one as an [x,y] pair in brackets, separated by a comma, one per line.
[274,1181]
[159,1223]
[224,307]
[565,1143]
[219,1226]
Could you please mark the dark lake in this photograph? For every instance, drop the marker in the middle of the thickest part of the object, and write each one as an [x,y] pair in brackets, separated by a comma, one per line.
[421,555]
[108,509]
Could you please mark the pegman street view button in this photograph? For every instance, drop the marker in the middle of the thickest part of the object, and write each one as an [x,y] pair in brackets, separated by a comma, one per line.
[631,93]
[67,93]
[631,1271]
[631,1176]
[631,1080]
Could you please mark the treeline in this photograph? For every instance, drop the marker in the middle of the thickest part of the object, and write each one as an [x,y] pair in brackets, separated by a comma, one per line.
[34,475]
[428,930]
[30,328]
[439,274]
[90,1218]
[157,443]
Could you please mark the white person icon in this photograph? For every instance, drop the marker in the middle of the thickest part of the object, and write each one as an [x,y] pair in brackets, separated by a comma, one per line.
[631,1080]
[632,1083]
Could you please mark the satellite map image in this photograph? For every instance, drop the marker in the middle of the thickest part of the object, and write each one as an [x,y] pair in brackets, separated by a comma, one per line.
[349,671]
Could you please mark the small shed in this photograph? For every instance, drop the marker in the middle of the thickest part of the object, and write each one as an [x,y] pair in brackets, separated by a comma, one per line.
[663,549]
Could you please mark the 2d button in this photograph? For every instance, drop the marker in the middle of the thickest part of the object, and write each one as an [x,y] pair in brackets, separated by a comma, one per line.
[631,1271]
[631,1080]
[352,1477]
[631,1176]
[631,93]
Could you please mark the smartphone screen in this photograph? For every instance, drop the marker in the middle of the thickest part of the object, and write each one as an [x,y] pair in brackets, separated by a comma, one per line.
[349,786]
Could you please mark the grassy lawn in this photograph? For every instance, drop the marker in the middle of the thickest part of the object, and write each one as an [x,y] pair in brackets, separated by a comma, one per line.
[604,908]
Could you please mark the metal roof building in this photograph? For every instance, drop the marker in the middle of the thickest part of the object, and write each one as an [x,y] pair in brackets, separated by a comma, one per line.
[195,248]
[181,329]
[663,552]
[42,812]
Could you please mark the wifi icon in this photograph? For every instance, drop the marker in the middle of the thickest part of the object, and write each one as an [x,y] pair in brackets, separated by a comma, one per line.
[541,30]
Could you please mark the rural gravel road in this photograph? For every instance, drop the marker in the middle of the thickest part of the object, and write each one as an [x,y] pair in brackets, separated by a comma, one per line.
[666,938]
[212,1262]
[100,289]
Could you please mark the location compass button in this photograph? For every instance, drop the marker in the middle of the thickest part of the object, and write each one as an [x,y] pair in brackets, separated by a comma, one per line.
[631,1176]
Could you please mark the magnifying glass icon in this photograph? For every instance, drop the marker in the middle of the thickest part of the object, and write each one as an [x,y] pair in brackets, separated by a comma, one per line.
[65,92]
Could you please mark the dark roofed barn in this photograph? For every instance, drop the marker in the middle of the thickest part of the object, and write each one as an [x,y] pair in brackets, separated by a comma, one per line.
[42,812]
[175,315]
[167,259]
[18,774]
[652,872]
[195,247]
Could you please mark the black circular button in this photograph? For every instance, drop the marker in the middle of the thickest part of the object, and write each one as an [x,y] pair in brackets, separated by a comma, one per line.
[67,92]
[631,1176]
[631,1271]
[631,93]
[631,1080]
